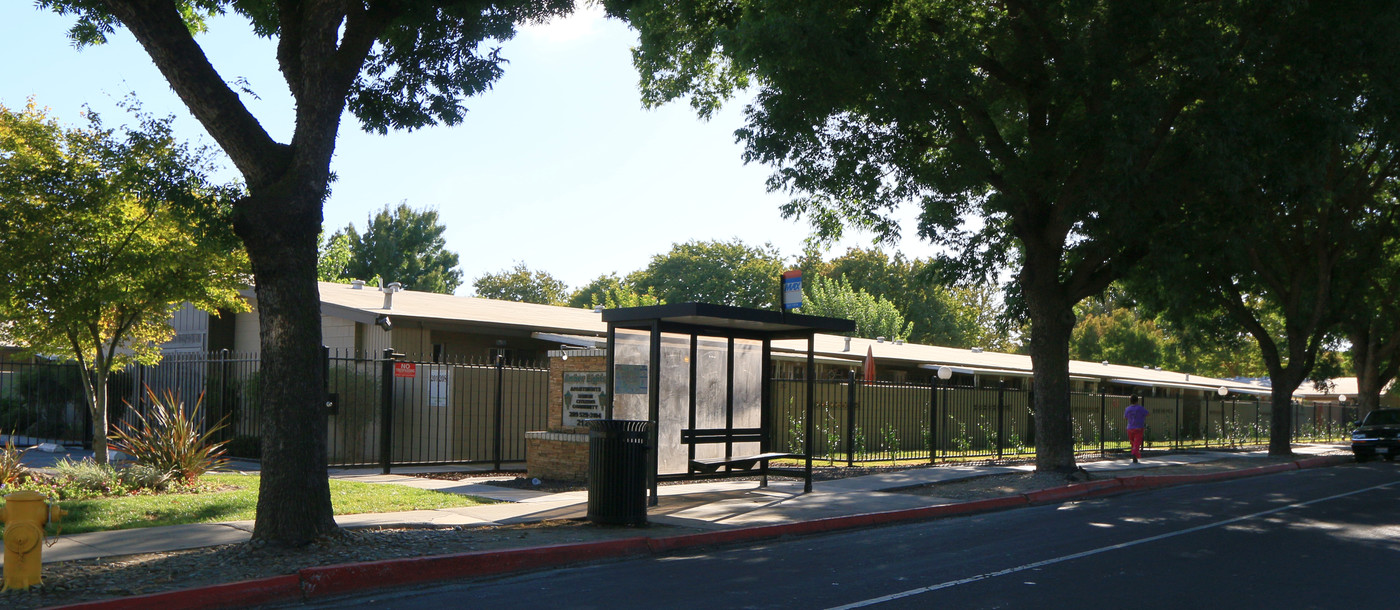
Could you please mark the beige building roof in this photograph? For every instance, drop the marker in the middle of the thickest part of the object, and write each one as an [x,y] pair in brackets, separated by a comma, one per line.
[1012,365]
[367,303]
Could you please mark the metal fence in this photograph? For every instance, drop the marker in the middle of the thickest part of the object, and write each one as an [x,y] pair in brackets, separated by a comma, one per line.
[385,410]
[891,421]
[388,410]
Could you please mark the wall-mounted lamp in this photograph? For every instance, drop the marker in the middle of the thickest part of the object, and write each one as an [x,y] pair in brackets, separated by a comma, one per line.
[384,323]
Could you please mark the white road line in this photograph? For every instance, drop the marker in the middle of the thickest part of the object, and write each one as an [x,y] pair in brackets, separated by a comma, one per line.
[1031,566]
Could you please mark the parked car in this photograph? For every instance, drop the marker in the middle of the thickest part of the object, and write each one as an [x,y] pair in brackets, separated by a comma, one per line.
[1378,434]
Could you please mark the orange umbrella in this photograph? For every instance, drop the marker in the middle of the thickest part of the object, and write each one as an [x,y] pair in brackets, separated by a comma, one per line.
[869,364]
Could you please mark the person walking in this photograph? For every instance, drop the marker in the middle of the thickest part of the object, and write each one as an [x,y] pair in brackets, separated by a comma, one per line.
[1136,414]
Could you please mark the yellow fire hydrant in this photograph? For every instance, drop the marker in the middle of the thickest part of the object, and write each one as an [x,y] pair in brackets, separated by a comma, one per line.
[25,514]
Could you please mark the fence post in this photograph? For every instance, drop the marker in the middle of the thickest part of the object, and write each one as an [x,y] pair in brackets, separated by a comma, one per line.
[1176,431]
[1001,404]
[1103,416]
[850,420]
[933,418]
[386,409]
[500,410]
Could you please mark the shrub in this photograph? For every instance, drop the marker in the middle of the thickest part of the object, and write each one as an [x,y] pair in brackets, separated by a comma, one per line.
[12,468]
[86,477]
[144,476]
[170,440]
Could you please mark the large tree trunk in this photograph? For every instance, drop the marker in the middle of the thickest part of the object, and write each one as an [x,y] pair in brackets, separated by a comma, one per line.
[1052,321]
[1374,361]
[294,505]
[1284,381]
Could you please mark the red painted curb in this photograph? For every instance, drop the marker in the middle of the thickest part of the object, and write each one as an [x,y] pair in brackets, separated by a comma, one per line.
[348,578]
[1070,492]
[230,595]
[336,580]
[1323,460]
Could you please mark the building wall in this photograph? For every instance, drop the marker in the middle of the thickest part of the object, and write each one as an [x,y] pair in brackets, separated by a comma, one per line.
[337,333]
[245,333]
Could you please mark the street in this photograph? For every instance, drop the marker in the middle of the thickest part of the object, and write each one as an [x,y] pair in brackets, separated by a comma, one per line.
[1304,539]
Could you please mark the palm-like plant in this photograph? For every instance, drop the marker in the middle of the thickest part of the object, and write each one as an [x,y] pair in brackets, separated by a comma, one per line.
[170,440]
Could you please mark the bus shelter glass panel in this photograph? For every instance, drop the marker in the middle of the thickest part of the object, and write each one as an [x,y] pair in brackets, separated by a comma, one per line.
[674,403]
[631,376]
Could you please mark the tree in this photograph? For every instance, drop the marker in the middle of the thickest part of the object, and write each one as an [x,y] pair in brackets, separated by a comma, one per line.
[391,64]
[719,272]
[1307,159]
[1372,325]
[948,316]
[105,235]
[332,258]
[403,245]
[1120,337]
[1052,123]
[522,285]
[874,316]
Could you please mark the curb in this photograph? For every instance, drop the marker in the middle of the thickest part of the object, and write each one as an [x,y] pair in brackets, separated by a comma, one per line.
[324,581]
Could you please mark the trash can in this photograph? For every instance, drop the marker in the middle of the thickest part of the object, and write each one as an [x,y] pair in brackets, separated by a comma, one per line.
[617,471]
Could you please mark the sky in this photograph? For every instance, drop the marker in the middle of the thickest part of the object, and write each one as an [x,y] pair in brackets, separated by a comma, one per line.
[558,166]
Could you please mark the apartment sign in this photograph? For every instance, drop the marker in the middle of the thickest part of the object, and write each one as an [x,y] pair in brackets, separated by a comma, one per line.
[584,397]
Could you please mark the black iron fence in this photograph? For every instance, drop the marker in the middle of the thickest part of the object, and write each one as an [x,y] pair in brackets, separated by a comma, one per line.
[388,410]
[385,409]
[891,421]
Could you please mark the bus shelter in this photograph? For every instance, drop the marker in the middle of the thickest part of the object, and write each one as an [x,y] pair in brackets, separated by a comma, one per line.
[701,375]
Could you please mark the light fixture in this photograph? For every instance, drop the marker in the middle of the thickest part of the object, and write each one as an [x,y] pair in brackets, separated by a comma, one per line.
[384,323]
[1222,391]
[945,372]
[1342,398]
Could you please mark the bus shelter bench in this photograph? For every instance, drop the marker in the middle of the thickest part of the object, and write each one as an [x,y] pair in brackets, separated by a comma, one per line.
[708,436]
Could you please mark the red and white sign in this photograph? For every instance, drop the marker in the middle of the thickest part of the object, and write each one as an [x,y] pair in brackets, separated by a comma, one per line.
[405,369]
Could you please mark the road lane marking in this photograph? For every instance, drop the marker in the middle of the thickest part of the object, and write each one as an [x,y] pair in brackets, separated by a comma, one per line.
[1040,564]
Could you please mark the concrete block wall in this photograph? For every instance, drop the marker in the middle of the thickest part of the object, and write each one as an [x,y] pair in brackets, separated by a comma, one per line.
[560,452]
[561,456]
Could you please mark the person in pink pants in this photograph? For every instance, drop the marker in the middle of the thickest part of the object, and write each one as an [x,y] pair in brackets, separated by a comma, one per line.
[1136,414]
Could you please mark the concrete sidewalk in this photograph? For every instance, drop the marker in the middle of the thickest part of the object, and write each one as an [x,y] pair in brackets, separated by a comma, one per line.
[709,506]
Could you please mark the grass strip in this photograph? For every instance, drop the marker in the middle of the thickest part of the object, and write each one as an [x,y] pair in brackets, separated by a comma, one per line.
[236,499]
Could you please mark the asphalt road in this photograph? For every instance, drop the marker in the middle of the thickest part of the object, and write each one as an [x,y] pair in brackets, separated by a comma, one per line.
[1320,538]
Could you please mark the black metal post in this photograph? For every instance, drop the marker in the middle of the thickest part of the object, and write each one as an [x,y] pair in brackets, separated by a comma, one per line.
[851,420]
[1001,408]
[386,410]
[933,419]
[1103,415]
[811,407]
[1176,431]
[499,427]
[653,410]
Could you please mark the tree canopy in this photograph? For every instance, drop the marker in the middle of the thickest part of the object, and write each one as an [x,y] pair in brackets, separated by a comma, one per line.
[392,65]
[720,272]
[874,316]
[522,285]
[1054,124]
[402,245]
[1298,195]
[106,233]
